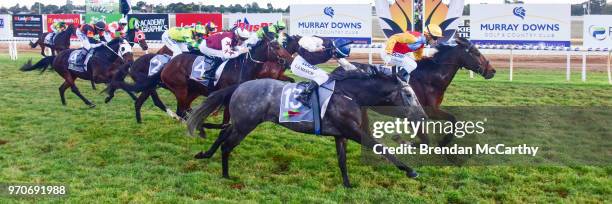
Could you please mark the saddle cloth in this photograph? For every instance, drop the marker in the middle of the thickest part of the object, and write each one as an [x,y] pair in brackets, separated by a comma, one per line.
[157,63]
[204,71]
[77,60]
[291,110]
[49,38]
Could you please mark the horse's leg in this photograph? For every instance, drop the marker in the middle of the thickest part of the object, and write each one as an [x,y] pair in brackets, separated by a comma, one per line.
[93,83]
[76,91]
[439,114]
[353,132]
[213,148]
[181,101]
[157,101]
[138,104]
[341,153]
[62,90]
[234,138]
[42,49]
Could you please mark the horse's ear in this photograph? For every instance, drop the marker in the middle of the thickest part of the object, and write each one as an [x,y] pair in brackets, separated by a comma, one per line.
[462,41]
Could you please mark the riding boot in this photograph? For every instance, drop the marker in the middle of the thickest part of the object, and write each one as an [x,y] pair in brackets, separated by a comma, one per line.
[404,75]
[304,96]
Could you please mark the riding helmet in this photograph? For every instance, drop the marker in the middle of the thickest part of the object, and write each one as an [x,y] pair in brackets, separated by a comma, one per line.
[280,25]
[342,47]
[242,33]
[100,25]
[210,26]
[434,30]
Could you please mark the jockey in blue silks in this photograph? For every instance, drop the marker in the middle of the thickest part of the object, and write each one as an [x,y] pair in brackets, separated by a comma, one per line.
[313,50]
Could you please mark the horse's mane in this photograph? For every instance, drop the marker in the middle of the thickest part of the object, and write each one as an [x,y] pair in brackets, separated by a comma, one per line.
[114,41]
[363,71]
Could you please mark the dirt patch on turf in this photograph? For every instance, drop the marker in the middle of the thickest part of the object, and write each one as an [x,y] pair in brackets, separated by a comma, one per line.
[3,142]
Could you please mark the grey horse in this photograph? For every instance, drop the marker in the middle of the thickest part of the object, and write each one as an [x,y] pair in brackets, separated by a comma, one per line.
[254,102]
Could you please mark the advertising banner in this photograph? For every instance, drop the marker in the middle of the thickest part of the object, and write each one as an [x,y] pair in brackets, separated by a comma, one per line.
[445,14]
[107,18]
[186,19]
[74,19]
[253,21]
[395,17]
[29,26]
[5,31]
[597,32]
[349,21]
[463,30]
[153,25]
[521,24]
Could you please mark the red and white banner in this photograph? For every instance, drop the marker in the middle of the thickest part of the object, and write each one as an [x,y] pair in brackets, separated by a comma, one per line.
[186,19]
[74,19]
[252,21]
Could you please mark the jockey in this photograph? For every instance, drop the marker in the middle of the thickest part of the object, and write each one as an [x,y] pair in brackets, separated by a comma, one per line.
[91,36]
[116,29]
[57,27]
[312,52]
[274,31]
[178,39]
[210,29]
[225,45]
[403,49]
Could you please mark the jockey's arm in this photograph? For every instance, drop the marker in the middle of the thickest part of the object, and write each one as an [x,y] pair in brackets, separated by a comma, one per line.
[346,64]
[311,43]
[405,38]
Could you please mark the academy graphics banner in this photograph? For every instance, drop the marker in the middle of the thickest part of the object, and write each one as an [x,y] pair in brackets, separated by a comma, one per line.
[349,21]
[153,25]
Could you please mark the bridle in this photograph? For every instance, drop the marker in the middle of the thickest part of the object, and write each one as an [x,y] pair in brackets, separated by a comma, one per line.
[269,48]
[479,69]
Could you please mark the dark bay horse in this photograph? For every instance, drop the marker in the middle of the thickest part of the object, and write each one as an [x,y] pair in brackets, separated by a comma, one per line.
[60,42]
[102,65]
[433,75]
[254,102]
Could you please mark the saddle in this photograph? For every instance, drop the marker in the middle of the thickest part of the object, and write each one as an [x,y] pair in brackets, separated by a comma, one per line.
[157,63]
[206,70]
[291,110]
[78,60]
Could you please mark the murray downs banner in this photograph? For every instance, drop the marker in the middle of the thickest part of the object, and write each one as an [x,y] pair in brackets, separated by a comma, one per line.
[349,21]
[153,25]
[252,21]
[521,24]
[597,32]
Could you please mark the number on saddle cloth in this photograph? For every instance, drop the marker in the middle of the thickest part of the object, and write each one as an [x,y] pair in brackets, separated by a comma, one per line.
[76,60]
[292,110]
[157,63]
[203,70]
[49,38]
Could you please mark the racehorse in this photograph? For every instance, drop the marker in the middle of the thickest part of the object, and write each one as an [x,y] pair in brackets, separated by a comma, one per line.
[433,75]
[147,84]
[139,38]
[60,42]
[254,102]
[100,68]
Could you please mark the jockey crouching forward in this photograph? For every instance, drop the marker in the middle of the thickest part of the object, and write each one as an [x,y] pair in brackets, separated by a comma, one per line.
[91,36]
[57,27]
[314,51]
[273,31]
[403,49]
[116,29]
[179,39]
[224,45]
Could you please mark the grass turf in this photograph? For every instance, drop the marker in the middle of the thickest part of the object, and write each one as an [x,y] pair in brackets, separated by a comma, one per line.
[104,156]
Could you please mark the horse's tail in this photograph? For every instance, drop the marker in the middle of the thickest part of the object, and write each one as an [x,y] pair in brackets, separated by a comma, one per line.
[33,45]
[42,64]
[212,103]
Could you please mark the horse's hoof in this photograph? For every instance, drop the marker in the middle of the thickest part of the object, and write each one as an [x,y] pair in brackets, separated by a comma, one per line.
[203,155]
[203,134]
[413,174]
[107,99]
[92,105]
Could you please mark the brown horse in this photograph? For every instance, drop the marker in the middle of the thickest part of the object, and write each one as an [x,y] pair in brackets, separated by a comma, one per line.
[433,75]
[100,68]
[60,42]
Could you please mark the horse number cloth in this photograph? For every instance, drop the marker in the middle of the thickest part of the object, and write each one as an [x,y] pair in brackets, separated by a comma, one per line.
[76,60]
[204,72]
[291,110]
[157,63]
[49,38]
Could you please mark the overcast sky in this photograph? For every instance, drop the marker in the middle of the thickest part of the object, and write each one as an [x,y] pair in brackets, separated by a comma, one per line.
[275,3]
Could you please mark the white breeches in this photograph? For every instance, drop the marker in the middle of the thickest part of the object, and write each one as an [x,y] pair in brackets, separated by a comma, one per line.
[176,47]
[404,61]
[304,69]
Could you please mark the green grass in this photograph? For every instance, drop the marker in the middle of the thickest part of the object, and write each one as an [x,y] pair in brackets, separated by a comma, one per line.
[104,156]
